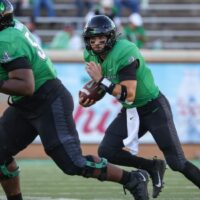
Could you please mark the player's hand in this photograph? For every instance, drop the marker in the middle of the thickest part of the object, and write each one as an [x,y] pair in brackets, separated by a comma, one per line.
[94,71]
[86,102]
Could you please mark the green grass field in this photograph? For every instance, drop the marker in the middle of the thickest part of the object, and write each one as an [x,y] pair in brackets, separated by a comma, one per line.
[42,180]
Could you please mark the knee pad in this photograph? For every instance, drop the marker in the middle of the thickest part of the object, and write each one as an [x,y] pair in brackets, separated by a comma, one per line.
[95,167]
[175,163]
[6,173]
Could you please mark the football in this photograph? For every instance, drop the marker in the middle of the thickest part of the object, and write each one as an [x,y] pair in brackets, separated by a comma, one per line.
[91,90]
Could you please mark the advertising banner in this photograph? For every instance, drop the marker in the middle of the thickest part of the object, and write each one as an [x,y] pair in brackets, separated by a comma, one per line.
[180,82]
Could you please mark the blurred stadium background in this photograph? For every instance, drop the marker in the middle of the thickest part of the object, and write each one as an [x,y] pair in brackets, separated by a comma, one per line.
[172,50]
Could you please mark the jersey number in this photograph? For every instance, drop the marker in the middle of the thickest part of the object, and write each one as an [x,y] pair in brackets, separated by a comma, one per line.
[40,52]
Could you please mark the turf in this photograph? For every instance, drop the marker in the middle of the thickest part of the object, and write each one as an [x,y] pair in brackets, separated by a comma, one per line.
[41,179]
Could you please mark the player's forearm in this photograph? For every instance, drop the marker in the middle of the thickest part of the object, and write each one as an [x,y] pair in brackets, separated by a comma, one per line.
[17,87]
[118,90]
[124,91]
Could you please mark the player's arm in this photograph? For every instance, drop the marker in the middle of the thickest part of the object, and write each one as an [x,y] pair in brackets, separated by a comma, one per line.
[126,89]
[20,78]
[127,77]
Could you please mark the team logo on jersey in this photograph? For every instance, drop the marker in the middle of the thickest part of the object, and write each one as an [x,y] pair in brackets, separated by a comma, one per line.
[2,7]
[131,59]
[6,57]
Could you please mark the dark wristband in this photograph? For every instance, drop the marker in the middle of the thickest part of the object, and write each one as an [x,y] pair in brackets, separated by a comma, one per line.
[124,94]
[107,85]
[1,83]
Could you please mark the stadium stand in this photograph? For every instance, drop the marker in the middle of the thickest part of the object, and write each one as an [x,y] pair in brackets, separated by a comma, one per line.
[169,24]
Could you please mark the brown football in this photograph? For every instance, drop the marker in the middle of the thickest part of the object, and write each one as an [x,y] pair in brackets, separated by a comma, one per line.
[91,90]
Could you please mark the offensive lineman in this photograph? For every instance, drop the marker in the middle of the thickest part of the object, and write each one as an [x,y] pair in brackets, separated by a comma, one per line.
[40,104]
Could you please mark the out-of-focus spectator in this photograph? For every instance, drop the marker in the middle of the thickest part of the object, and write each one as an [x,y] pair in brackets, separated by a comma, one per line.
[135,31]
[132,5]
[39,4]
[67,39]
[32,28]
[19,5]
[82,5]
[145,4]
[108,8]
[104,7]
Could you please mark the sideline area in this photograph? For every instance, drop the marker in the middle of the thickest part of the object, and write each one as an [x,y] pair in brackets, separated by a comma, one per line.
[36,151]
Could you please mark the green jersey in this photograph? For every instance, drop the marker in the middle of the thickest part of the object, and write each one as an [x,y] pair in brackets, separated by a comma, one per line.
[122,54]
[17,42]
[136,36]
[60,41]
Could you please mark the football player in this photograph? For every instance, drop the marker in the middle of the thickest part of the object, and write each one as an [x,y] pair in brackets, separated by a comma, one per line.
[41,105]
[119,68]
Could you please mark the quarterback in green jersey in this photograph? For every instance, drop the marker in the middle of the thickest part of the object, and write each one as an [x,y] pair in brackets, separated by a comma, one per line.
[119,68]
[41,105]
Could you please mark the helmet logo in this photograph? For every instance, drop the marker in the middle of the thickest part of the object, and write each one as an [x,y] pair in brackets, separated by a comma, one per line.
[2,7]
[94,32]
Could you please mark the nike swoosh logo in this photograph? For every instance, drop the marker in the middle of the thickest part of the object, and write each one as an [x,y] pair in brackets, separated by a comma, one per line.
[159,181]
[143,177]
[131,118]
[155,110]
